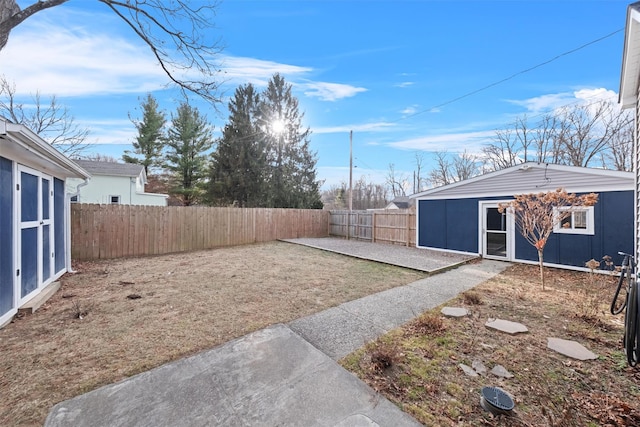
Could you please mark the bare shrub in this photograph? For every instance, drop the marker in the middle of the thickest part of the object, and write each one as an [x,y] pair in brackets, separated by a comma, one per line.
[384,355]
[427,324]
[471,298]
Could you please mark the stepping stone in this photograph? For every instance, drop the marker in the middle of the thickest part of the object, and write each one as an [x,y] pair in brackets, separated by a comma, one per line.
[570,349]
[500,371]
[454,311]
[506,326]
[479,367]
[468,370]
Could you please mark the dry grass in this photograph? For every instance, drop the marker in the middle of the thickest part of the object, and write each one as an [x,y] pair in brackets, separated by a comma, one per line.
[114,319]
[549,389]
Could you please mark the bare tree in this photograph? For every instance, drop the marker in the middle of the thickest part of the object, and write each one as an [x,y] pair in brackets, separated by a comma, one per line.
[465,166]
[441,174]
[536,215]
[545,140]
[449,170]
[161,25]
[619,152]
[576,135]
[396,182]
[52,122]
[503,153]
[419,181]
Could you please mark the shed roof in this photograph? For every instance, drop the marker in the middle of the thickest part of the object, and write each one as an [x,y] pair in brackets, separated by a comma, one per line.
[630,58]
[111,168]
[533,177]
[19,142]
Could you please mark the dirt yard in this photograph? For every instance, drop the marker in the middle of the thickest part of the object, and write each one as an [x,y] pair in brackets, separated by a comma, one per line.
[417,366]
[117,318]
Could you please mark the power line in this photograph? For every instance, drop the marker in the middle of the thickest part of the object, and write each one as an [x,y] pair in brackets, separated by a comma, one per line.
[496,83]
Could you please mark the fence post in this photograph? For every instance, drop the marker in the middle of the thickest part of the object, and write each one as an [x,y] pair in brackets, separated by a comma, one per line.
[373,227]
[406,214]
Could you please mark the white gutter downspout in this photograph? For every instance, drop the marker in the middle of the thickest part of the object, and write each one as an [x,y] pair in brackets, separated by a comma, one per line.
[67,222]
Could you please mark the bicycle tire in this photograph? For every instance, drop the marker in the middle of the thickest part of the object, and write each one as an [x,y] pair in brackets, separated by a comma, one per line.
[625,273]
[631,327]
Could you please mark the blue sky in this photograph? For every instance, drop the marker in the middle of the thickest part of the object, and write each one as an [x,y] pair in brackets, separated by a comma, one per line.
[388,70]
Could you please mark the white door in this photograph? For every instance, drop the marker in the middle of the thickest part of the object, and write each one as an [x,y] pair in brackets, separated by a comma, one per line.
[496,232]
[35,242]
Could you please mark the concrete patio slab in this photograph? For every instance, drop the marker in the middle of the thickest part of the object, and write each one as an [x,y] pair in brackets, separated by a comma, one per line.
[267,378]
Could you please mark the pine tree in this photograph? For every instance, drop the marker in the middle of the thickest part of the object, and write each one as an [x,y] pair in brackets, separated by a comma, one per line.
[188,140]
[239,162]
[292,174]
[149,142]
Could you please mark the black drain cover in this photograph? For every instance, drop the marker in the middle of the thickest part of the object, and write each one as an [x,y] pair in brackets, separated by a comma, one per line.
[496,400]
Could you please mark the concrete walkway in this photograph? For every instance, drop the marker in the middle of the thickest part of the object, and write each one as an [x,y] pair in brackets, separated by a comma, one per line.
[284,375]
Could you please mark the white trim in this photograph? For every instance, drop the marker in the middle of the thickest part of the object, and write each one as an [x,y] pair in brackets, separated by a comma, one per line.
[510,230]
[563,266]
[625,182]
[590,230]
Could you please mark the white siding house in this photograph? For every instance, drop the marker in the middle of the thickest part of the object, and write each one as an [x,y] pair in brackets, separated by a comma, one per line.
[115,183]
[628,97]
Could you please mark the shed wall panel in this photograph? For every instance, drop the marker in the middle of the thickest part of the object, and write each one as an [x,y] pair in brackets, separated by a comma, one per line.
[6,236]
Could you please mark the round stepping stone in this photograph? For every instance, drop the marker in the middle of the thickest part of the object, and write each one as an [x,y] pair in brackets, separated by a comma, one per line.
[506,326]
[454,311]
[570,349]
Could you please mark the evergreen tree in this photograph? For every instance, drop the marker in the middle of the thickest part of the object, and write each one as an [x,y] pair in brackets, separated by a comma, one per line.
[239,162]
[292,176]
[148,144]
[187,141]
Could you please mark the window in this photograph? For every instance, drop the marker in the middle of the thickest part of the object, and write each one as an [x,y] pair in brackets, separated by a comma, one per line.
[578,221]
[74,199]
[114,200]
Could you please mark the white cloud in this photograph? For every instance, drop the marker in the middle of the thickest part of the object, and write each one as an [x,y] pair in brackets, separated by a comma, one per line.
[553,101]
[404,84]
[331,91]
[257,71]
[452,142]
[72,61]
[366,127]
[412,109]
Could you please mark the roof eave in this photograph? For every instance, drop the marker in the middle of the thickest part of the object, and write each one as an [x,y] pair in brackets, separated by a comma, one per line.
[628,94]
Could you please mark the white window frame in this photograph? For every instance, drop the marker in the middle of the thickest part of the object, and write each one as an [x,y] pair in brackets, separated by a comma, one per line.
[111,202]
[589,230]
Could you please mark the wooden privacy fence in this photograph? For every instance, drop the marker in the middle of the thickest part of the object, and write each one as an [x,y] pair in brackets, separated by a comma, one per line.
[385,226]
[116,231]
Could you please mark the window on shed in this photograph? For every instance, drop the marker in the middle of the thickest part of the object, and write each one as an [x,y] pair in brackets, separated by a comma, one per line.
[578,221]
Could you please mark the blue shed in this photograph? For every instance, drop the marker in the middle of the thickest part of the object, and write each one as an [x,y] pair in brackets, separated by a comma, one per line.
[34,216]
[463,217]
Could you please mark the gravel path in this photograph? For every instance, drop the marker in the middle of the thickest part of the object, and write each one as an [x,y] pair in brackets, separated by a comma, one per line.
[425,260]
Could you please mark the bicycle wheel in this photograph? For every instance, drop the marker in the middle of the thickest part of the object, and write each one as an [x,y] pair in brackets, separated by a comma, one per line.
[631,327]
[619,302]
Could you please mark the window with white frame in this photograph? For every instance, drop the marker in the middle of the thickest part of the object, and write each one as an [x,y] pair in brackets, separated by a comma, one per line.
[576,220]
[114,200]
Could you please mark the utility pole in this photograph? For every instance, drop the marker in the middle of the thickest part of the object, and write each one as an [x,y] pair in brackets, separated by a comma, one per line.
[350,170]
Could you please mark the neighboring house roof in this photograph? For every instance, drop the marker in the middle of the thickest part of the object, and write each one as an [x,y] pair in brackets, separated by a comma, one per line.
[401,202]
[20,142]
[630,58]
[113,169]
[533,177]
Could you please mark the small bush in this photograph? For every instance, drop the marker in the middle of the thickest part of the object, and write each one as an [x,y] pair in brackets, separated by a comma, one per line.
[427,324]
[384,356]
[471,298]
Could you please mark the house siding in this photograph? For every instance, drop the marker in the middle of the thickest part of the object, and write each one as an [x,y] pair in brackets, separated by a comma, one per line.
[452,224]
